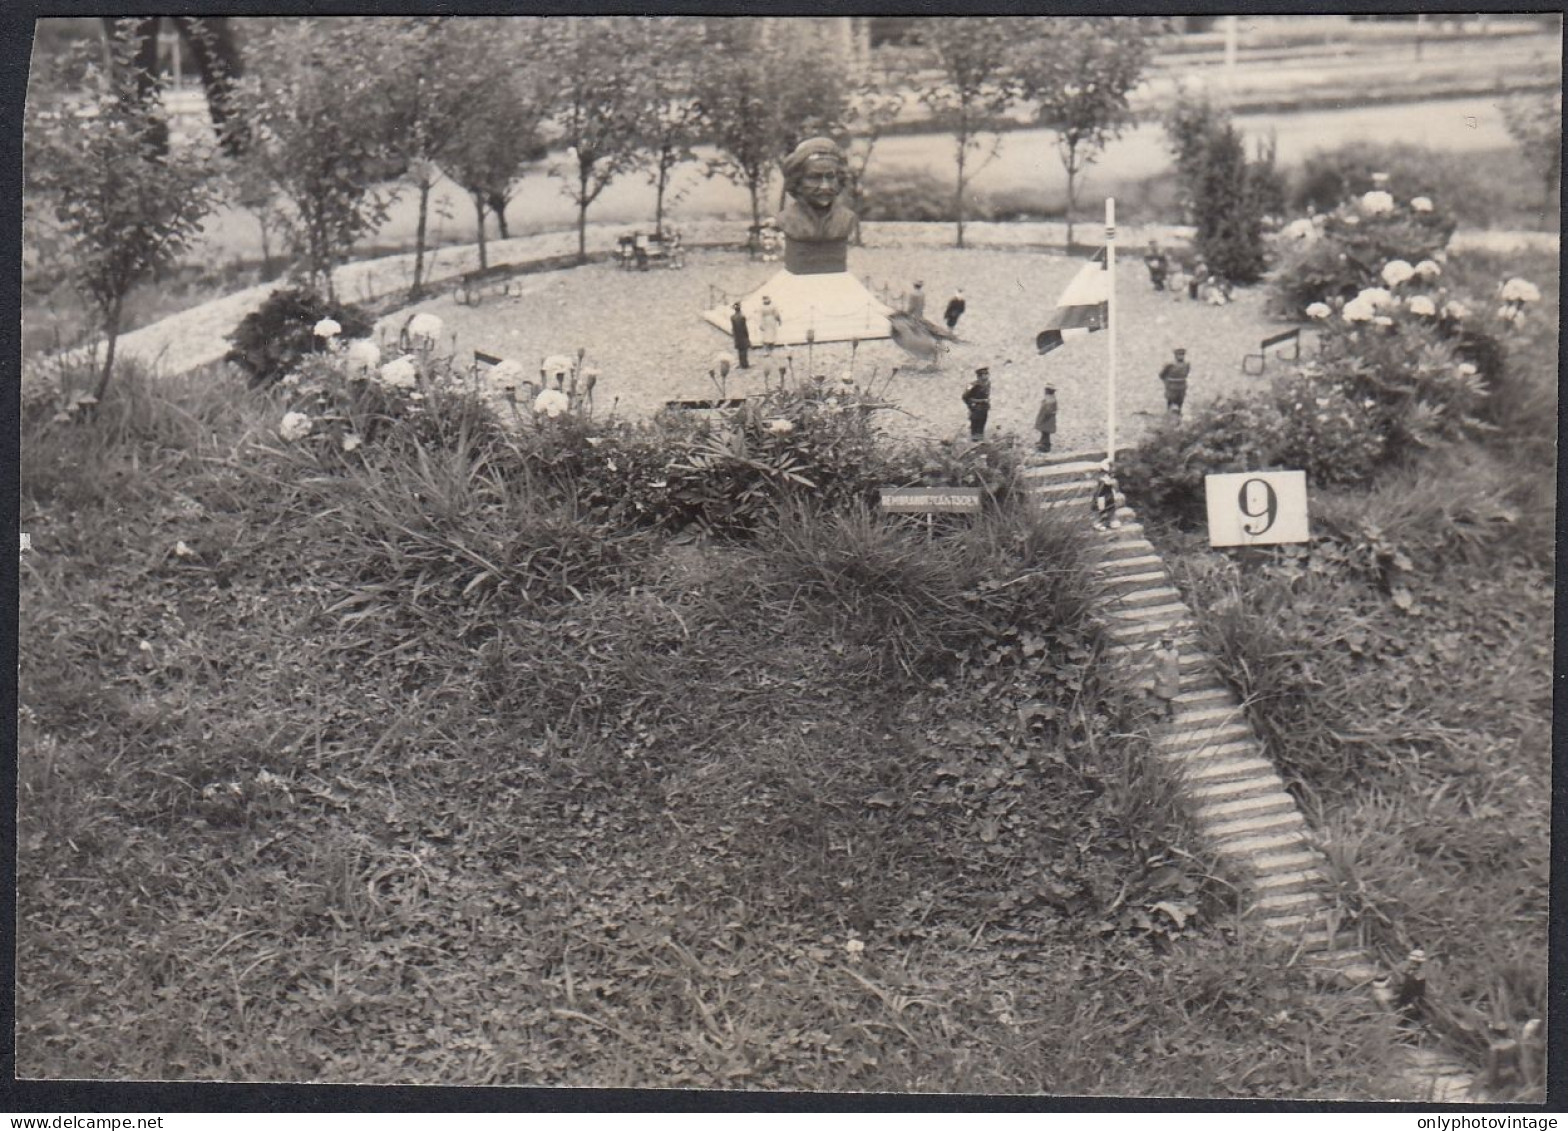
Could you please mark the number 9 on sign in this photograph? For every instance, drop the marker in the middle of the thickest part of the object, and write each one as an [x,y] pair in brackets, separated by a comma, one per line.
[1257,508]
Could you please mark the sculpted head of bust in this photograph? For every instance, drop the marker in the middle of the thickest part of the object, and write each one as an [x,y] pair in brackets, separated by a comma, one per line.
[816,173]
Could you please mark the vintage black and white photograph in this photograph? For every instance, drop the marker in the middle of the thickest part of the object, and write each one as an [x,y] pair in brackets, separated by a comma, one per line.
[961,554]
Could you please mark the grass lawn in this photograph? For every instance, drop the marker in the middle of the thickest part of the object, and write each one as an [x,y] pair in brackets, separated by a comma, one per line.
[643,331]
[835,808]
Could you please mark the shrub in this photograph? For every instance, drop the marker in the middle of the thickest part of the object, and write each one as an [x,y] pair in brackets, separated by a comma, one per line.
[1329,177]
[1225,195]
[1338,254]
[918,196]
[271,340]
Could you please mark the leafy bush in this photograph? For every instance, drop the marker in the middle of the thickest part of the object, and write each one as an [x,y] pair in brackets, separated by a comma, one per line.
[1336,255]
[913,196]
[1329,177]
[271,340]
[1225,196]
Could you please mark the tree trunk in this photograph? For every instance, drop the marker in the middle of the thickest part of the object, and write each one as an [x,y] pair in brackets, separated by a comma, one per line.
[111,330]
[419,239]
[479,215]
[658,200]
[1072,196]
[498,206]
[582,214]
[756,203]
[958,197]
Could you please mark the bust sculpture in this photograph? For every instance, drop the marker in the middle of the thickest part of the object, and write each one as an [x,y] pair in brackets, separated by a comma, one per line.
[816,221]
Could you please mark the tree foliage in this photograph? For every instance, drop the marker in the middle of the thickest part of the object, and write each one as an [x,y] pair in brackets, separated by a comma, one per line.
[977,88]
[1078,72]
[672,117]
[503,112]
[598,67]
[317,99]
[1536,124]
[1225,195]
[755,114]
[122,209]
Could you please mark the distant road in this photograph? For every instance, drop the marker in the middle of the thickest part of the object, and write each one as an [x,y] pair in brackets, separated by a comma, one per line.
[1027,163]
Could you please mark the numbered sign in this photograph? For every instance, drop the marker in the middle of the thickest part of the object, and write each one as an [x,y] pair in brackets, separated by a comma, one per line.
[1257,508]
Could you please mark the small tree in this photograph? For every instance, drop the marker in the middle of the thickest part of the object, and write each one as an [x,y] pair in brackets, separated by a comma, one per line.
[1079,73]
[672,117]
[1537,125]
[124,209]
[1223,194]
[316,99]
[503,108]
[599,70]
[872,107]
[977,87]
[733,97]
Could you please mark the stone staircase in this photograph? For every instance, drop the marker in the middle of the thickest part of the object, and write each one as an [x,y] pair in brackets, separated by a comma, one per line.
[1229,785]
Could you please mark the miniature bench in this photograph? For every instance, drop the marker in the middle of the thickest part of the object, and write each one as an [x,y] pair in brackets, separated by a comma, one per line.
[1293,336]
[693,405]
[474,286]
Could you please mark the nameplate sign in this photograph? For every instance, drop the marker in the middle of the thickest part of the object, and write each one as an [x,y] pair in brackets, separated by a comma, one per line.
[927,500]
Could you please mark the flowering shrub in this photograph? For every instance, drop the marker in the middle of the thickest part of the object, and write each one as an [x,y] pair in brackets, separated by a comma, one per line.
[1371,241]
[291,324]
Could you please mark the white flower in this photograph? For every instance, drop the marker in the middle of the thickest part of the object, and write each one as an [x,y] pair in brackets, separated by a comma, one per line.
[1455,310]
[327,328]
[1375,297]
[1420,304]
[1466,369]
[1421,204]
[350,441]
[400,373]
[1397,271]
[1358,310]
[295,426]
[1302,229]
[289,380]
[1382,320]
[780,426]
[1377,203]
[855,947]
[1318,310]
[1511,313]
[551,402]
[1521,290]
[556,363]
[1380,179]
[1428,269]
[181,550]
[423,329]
[362,356]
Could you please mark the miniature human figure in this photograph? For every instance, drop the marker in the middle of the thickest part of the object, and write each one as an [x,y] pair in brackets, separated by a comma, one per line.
[740,334]
[1045,419]
[768,320]
[917,300]
[1177,282]
[1174,377]
[1166,676]
[1107,498]
[977,399]
[816,219]
[955,310]
[1154,259]
[1200,272]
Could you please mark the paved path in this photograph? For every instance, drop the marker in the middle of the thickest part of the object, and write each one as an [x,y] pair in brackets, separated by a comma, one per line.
[198,336]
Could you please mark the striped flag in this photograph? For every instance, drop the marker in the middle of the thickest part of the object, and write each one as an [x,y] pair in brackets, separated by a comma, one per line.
[1082,309]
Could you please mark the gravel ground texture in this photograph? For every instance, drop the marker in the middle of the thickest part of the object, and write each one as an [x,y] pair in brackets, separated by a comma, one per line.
[643,331]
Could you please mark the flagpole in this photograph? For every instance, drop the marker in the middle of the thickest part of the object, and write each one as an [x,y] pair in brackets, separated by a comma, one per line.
[1110,326]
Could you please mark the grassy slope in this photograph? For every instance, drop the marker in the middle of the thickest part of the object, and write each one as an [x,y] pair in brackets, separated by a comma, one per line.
[622,840]
[1419,735]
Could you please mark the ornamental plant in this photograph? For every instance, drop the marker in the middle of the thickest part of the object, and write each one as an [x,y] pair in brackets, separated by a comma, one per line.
[1336,255]
[273,339]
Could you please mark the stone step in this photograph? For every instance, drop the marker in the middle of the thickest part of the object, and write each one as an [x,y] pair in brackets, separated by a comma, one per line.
[1304,928]
[1143,597]
[1214,812]
[1166,613]
[1288,881]
[1287,863]
[1208,713]
[1130,577]
[1246,849]
[1052,488]
[1103,551]
[1127,529]
[1205,693]
[1126,630]
[1239,767]
[1248,827]
[1194,743]
[1279,903]
[1190,758]
[1067,466]
[1252,786]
